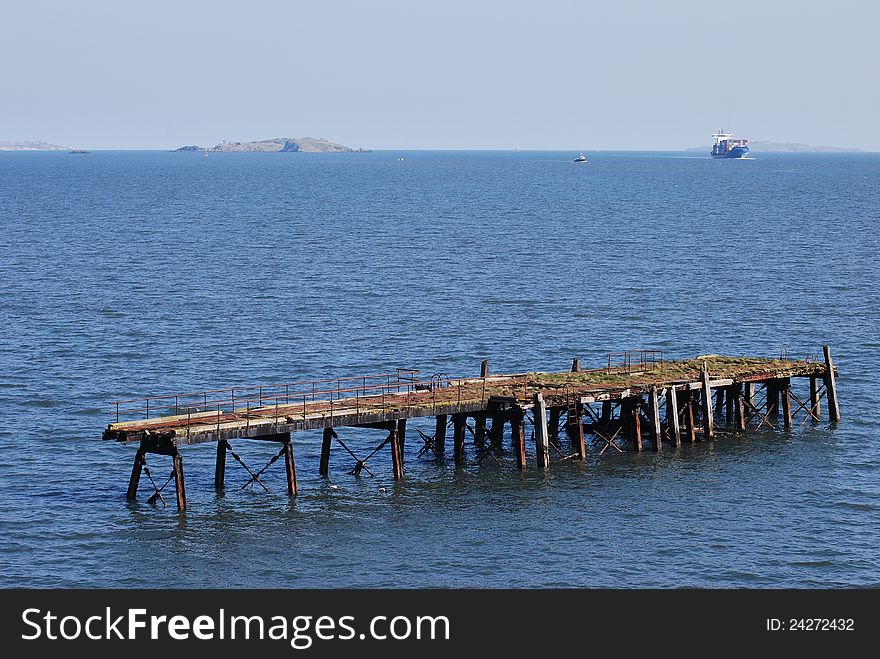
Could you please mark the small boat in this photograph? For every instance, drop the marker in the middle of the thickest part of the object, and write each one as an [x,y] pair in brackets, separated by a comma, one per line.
[581,158]
[206,152]
[78,152]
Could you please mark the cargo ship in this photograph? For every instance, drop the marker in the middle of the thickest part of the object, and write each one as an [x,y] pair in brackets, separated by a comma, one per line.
[724,146]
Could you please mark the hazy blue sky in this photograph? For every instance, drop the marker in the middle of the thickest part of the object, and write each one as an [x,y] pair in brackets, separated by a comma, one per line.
[615,74]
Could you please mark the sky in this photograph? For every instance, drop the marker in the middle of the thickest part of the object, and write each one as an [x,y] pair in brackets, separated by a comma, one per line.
[381,74]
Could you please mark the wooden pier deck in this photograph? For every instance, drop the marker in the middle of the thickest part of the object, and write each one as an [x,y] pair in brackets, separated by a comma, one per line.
[636,399]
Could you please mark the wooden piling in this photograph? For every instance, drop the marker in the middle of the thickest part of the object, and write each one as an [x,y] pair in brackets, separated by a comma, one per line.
[656,430]
[672,421]
[708,422]
[459,428]
[324,465]
[484,368]
[440,435]
[396,458]
[689,423]
[815,403]
[289,466]
[831,386]
[739,411]
[518,436]
[135,479]
[542,440]
[179,482]
[785,391]
[637,422]
[730,411]
[220,466]
[575,365]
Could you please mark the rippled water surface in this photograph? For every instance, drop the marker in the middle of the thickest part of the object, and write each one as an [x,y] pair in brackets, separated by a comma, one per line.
[136,272]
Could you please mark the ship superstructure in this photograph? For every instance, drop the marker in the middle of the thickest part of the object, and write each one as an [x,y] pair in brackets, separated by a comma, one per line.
[724,146]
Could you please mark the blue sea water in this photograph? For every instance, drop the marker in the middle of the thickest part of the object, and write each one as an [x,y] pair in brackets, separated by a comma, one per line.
[124,273]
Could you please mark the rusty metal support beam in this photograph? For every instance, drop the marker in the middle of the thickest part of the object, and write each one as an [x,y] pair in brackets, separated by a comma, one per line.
[739,412]
[401,438]
[326,443]
[220,466]
[136,470]
[396,459]
[459,427]
[785,391]
[518,435]
[290,467]
[179,482]
[815,403]
[772,387]
[553,423]
[440,435]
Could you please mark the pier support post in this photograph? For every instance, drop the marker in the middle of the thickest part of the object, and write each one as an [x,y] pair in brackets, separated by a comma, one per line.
[656,431]
[553,423]
[815,404]
[396,458]
[636,412]
[719,401]
[739,412]
[730,411]
[496,434]
[749,395]
[672,416]
[708,422]
[479,428]
[575,365]
[575,432]
[401,438]
[606,412]
[785,390]
[324,464]
[289,466]
[440,436]
[518,436]
[484,368]
[689,423]
[542,440]
[220,467]
[179,482]
[831,386]
[772,399]
[459,427]
[135,479]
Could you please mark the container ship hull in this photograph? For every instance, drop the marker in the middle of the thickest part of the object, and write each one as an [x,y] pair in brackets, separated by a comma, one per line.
[724,146]
[735,152]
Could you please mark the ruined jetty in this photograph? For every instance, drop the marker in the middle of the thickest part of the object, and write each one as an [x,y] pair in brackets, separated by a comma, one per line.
[636,400]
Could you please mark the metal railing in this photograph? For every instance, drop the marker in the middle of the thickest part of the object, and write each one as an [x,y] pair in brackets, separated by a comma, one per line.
[630,361]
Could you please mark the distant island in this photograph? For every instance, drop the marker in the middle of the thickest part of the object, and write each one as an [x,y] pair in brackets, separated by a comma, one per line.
[786,147]
[27,145]
[278,145]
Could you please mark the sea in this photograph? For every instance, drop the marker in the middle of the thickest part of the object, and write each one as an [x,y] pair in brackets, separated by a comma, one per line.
[126,273]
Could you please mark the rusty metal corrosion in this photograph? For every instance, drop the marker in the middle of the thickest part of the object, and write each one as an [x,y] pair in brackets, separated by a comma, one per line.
[636,399]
